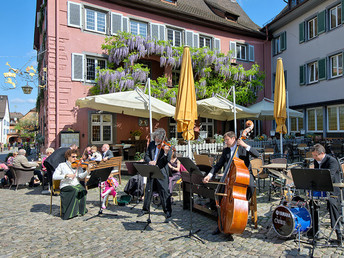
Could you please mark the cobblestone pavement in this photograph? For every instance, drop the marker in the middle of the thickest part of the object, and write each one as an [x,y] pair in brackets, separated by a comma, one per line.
[27,230]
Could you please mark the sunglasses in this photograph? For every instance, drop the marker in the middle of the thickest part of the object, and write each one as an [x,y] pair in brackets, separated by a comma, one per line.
[74,156]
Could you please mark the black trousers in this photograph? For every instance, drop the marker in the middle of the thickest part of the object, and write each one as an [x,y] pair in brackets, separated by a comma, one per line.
[163,191]
[333,206]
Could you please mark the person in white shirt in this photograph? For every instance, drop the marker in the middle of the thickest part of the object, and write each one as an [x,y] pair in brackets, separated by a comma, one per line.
[73,194]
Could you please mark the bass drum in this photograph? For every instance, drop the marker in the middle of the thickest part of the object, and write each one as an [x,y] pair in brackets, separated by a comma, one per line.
[287,221]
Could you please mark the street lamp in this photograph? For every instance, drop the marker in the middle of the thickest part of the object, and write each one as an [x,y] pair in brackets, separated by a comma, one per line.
[27,88]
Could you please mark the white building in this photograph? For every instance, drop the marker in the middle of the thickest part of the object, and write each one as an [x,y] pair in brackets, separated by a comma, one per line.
[4,118]
[308,35]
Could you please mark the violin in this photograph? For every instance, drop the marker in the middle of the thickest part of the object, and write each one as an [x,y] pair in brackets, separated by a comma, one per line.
[79,164]
[163,144]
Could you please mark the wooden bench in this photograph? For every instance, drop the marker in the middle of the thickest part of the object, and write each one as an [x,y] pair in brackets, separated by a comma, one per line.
[113,163]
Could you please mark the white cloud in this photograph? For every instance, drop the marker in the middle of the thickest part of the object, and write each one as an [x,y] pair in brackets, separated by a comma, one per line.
[18,100]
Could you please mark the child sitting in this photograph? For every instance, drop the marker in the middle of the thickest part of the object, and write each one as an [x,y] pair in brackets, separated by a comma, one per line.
[95,154]
[109,187]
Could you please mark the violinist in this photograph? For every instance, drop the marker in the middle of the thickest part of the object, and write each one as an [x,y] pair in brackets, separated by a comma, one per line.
[73,194]
[158,154]
[244,152]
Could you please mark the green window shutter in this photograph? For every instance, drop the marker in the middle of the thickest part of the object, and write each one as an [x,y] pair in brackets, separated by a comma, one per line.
[302,32]
[283,39]
[321,22]
[342,11]
[322,69]
[302,75]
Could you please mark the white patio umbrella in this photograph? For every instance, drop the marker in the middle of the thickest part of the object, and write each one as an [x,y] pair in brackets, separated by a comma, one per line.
[133,103]
[265,109]
[222,109]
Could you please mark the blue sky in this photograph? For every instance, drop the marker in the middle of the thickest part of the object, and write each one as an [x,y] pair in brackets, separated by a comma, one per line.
[16,44]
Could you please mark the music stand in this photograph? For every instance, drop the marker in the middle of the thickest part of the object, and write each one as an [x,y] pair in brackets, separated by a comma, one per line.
[312,180]
[150,172]
[98,176]
[191,168]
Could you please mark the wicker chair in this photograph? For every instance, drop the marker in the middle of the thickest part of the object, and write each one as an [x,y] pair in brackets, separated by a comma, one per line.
[22,176]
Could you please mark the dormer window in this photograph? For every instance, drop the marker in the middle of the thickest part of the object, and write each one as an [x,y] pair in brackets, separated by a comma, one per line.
[170,1]
[293,3]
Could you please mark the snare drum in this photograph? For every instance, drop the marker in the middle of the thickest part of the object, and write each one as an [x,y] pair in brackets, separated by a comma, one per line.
[288,220]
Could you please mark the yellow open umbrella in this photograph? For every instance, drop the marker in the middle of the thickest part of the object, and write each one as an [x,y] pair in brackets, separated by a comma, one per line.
[186,107]
[280,106]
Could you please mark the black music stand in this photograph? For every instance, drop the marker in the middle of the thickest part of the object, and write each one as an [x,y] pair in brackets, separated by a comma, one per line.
[191,168]
[98,176]
[150,172]
[312,180]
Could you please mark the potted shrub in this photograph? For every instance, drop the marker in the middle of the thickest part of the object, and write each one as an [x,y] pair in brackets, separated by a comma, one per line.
[136,134]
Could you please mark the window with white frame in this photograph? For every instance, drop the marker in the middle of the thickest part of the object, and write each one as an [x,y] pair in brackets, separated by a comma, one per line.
[91,67]
[175,37]
[336,65]
[314,119]
[312,26]
[277,45]
[207,125]
[101,128]
[173,129]
[335,16]
[241,51]
[138,28]
[335,116]
[95,20]
[313,72]
[205,42]
[296,123]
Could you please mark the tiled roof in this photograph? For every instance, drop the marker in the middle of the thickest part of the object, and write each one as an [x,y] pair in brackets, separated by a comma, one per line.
[199,10]
[3,103]
[16,115]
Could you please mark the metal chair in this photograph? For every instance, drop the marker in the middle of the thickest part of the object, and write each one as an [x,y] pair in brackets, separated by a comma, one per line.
[55,189]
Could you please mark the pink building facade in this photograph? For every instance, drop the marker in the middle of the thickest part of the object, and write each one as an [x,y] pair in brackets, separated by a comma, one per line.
[69,35]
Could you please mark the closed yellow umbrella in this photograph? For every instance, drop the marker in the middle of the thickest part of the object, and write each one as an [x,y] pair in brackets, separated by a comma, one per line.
[280,107]
[186,107]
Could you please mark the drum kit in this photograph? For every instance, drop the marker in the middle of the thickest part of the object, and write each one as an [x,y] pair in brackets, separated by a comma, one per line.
[292,217]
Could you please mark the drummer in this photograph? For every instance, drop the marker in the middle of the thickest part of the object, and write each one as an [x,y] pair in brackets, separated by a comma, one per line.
[325,161]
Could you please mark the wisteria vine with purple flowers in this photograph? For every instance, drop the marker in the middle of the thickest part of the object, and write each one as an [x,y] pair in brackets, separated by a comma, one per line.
[213,71]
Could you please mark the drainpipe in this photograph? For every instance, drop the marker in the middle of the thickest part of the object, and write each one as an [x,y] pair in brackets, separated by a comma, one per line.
[56,71]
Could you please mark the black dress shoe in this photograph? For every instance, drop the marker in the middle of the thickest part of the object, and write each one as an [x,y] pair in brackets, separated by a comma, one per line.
[142,213]
[216,231]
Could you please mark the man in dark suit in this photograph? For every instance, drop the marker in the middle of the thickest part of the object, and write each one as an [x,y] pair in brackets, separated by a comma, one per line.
[325,161]
[106,152]
[158,157]
[57,157]
[244,152]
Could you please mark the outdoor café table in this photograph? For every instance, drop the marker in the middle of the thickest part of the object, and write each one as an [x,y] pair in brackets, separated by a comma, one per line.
[121,147]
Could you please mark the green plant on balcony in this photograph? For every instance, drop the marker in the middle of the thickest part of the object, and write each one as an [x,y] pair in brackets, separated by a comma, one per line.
[136,133]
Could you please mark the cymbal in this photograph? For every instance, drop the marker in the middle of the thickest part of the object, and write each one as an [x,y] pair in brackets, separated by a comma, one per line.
[341,185]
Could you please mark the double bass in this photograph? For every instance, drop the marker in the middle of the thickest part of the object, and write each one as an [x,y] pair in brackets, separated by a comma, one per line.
[230,194]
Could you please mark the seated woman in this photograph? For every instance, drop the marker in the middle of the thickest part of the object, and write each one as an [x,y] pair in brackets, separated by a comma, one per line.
[73,194]
[95,154]
[9,177]
[174,165]
[85,155]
